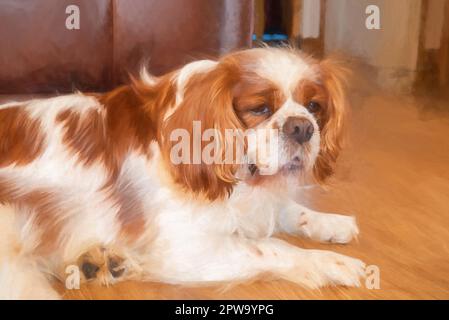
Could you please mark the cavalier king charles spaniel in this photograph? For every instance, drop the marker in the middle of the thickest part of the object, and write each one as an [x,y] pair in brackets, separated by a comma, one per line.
[133,184]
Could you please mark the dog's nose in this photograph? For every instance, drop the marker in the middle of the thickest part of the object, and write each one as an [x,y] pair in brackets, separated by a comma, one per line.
[299,129]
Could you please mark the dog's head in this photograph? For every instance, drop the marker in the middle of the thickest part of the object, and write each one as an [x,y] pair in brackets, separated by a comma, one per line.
[254,113]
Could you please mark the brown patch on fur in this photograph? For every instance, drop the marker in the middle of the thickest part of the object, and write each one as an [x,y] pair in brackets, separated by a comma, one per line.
[128,120]
[252,95]
[108,134]
[21,138]
[309,91]
[157,99]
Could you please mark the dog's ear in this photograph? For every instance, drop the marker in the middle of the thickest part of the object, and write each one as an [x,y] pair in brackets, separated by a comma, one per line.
[207,104]
[334,76]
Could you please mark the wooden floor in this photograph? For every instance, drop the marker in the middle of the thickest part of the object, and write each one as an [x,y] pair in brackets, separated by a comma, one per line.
[394,176]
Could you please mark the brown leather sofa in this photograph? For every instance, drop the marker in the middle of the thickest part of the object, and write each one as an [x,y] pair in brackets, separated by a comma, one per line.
[39,54]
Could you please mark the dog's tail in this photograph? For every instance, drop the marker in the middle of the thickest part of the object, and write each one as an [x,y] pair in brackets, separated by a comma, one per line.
[20,275]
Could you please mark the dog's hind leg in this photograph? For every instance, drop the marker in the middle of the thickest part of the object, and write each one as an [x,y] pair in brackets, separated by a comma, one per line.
[21,276]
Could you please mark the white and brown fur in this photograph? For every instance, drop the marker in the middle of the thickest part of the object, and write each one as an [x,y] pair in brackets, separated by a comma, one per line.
[86,179]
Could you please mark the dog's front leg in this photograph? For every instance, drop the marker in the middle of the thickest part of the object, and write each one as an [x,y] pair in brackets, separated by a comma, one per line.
[235,258]
[325,227]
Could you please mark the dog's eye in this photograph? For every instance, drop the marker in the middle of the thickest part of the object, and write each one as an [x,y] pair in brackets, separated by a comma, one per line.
[261,110]
[313,107]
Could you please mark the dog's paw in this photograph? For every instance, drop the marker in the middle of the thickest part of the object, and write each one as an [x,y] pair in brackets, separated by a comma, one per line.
[320,268]
[102,264]
[338,269]
[332,228]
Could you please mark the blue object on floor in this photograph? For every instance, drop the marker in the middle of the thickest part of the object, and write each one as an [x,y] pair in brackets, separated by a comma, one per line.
[272,37]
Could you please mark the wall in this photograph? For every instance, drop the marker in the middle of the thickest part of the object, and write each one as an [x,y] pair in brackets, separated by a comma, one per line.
[392,50]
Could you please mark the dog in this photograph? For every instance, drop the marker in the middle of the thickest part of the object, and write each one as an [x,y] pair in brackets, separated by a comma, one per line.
[106,183]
